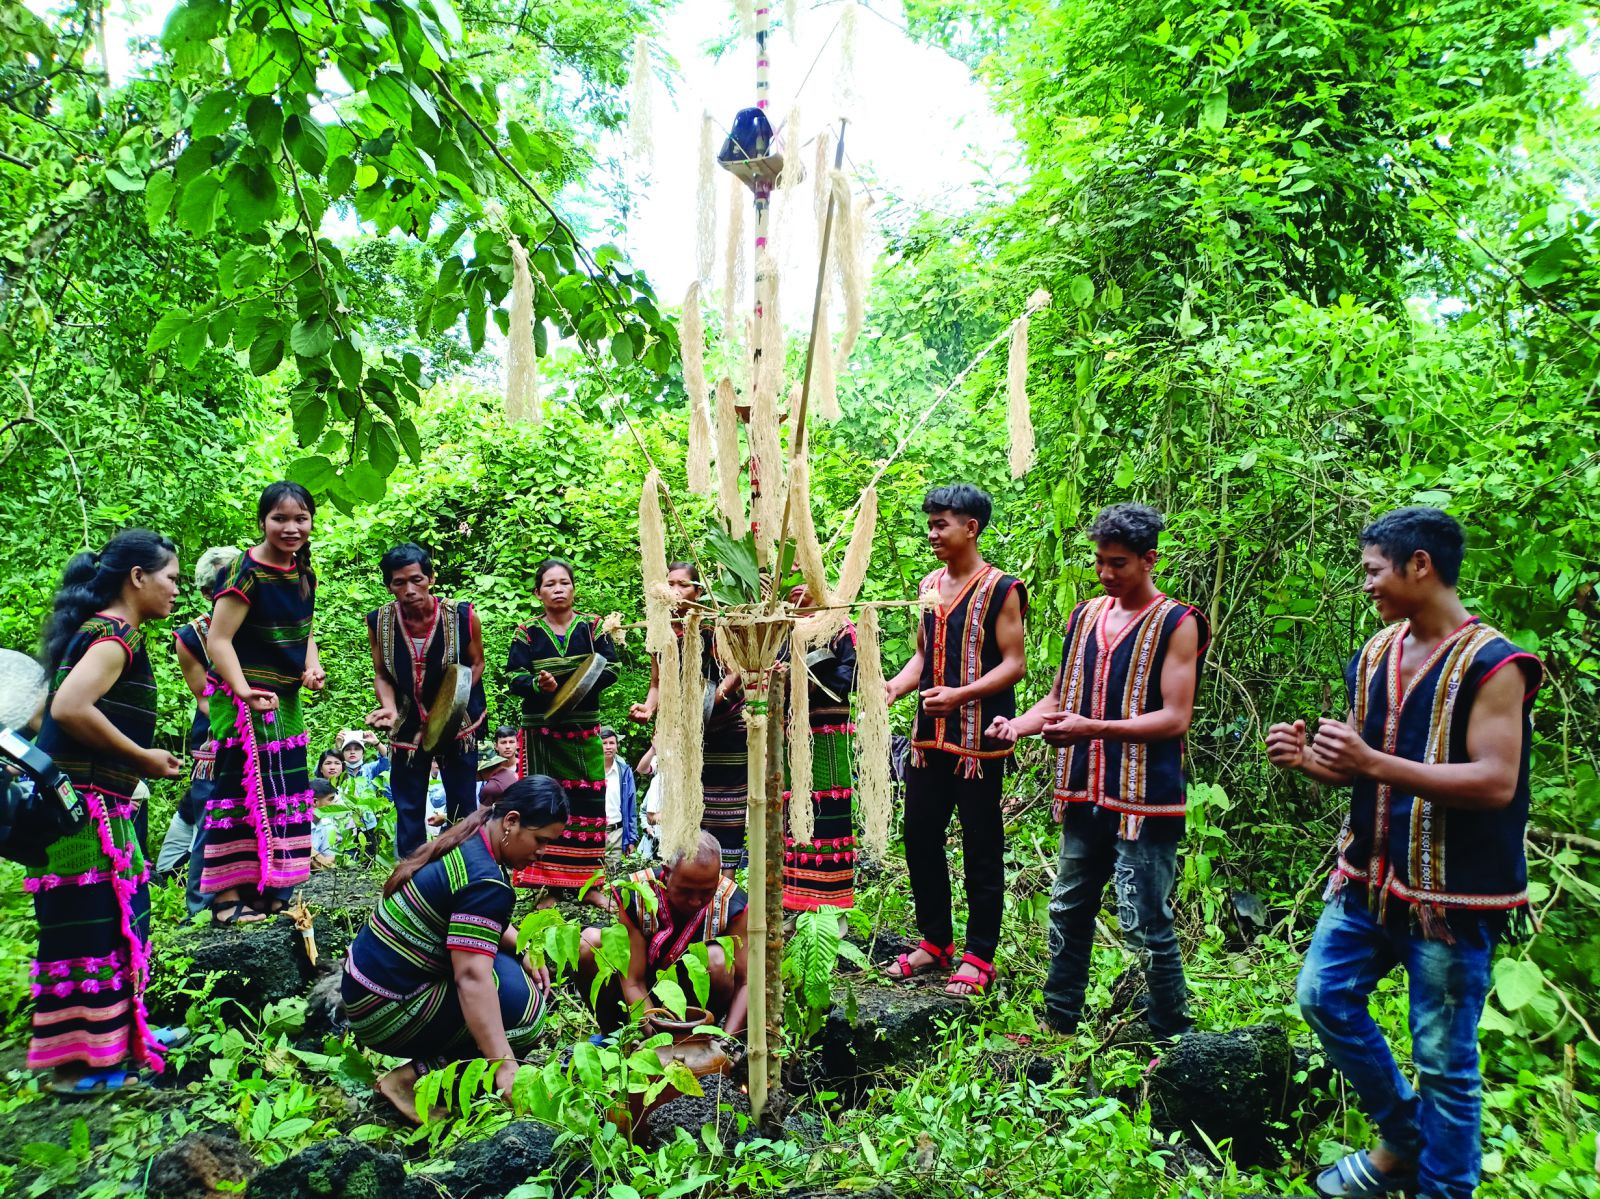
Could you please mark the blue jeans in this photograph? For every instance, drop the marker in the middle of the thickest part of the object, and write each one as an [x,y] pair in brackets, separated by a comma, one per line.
[1437,1124]
[1143,873]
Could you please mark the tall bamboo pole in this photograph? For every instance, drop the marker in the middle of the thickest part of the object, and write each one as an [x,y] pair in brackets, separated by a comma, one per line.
[772,852]
[757,718]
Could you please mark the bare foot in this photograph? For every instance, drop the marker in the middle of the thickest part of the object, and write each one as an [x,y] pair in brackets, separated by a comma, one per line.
[399,1087]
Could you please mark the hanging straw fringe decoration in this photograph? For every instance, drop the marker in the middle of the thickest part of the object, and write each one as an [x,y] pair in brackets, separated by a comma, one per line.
[705,202]
[683,688]
[733,260]
[872,739]
[824,402]
[766,450]
[794,170]
[681,813]
[522,364]
[640,142]
[653,556]
[808,550]
[791,20]
[848,265]
[856,559]
[820,169]
[691,337]
[802,808]
[747,16]
[771,331]
[728,497]
[1019,422]
[844,84]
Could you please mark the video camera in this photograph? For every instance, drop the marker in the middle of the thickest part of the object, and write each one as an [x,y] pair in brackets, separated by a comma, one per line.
[38,803]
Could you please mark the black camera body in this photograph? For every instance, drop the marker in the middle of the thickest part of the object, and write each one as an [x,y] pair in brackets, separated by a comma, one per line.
[38,806]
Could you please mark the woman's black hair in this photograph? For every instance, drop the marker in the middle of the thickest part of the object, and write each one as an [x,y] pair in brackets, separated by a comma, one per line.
[407,553]
[548,565]
[94,581]
[694,571]
[275,494]
[536,798]
[326,754]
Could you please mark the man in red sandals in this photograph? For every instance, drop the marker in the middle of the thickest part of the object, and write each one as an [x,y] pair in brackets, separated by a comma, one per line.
[969,659]
[1119,711]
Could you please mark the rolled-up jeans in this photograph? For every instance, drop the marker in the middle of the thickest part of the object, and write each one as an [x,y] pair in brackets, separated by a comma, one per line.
[1143,873]
[1437,1123]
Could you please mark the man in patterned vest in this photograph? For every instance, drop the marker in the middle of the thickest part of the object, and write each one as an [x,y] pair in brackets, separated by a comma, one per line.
[1120,710]
[413,638]
[1430,871]
[690,903]
[970,657]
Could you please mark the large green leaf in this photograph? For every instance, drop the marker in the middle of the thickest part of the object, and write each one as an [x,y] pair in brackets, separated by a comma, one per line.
[264,119]
[311,338]
[198,205]
[307,143]
[251,195]
[266,351]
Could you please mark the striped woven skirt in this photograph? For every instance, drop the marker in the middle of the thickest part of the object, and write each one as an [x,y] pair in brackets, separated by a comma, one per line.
[822,872]
[429,1025]
[575,758]
[724,776]
[257,826]
[93,905]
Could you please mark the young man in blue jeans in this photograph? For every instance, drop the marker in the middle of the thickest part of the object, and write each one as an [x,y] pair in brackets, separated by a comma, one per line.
[1430,871]
[1120,709]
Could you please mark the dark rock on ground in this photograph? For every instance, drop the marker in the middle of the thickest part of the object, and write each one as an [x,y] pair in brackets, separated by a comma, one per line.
[336,1169]
[1234,1086]
[490,1168]
[693,1112]
[203,1165]
[881,946]
[265,962]
[894,1025]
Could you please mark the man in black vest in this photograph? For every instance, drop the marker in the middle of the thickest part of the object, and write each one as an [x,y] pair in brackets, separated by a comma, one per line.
[1430,871]
[413,639]
[969,659]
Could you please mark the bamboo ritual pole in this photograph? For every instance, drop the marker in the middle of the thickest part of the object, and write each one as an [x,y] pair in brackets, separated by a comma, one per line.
[772,855]
[757,719]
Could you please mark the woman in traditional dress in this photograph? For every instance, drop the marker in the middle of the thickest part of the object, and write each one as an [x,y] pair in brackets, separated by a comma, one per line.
[432,976]
[91,894]
[544,654]
[723,773]
[258,827]
[821,872]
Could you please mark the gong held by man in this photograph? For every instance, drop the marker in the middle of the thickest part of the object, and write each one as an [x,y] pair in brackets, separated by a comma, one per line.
[427,659]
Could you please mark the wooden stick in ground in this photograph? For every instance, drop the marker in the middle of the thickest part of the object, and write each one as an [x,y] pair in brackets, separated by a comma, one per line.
[756,721]
[772,852]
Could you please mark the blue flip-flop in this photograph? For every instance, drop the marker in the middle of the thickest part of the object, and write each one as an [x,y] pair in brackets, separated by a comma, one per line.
[98,1082]
[1355,1177]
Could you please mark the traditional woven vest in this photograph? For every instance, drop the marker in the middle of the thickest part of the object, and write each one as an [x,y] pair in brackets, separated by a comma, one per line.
[1437,860]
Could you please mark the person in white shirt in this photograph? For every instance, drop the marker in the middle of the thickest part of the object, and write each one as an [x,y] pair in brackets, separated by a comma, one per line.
[622,811]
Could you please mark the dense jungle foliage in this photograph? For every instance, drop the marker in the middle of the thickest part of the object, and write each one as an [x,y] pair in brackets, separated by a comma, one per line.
[1309,261]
